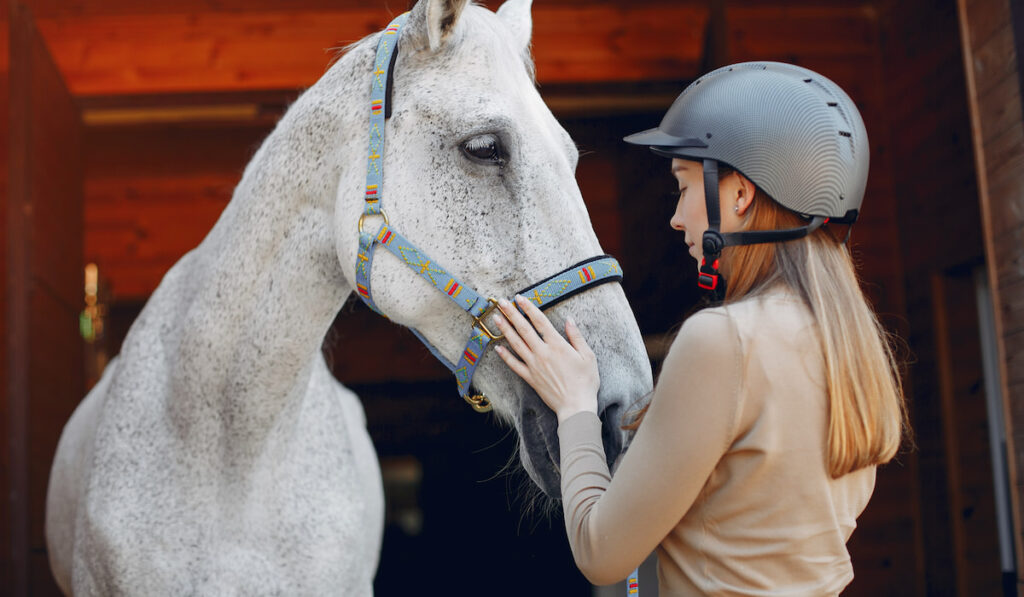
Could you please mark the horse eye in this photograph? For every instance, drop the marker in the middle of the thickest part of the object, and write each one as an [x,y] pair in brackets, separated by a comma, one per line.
[485,149]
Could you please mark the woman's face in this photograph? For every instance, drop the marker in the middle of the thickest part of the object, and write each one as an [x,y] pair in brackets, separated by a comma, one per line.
[691,217]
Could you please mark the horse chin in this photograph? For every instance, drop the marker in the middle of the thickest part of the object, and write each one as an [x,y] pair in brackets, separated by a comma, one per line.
[538,447]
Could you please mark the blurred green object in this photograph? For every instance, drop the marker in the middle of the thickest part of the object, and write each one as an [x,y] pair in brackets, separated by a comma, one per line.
[85,326]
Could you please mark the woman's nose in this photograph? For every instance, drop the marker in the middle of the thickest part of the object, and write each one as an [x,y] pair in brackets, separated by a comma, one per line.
[676,222]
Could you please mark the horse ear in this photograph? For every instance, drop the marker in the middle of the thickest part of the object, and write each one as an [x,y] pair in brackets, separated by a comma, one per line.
[437,18]
[516,16]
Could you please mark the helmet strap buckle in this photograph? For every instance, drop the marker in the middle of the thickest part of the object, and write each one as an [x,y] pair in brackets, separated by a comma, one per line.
[708,277]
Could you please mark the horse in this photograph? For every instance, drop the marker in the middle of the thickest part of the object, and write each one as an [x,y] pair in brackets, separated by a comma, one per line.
[217,454]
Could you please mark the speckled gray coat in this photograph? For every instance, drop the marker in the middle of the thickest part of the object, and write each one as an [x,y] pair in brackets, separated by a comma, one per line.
[217,455]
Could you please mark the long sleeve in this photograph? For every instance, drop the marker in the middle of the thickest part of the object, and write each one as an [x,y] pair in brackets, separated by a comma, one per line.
[613,525]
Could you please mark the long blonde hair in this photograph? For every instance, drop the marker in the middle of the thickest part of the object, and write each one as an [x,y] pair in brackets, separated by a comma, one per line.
[867,416]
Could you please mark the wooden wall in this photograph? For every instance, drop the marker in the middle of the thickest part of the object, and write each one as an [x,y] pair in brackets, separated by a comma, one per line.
[172,48]
[43,291]
[937,211]
[992,36]
[6,562]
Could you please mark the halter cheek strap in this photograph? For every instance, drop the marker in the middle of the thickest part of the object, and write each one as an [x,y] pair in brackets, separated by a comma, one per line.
[546,293]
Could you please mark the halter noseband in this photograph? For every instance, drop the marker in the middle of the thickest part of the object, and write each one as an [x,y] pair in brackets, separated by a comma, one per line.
[554,289]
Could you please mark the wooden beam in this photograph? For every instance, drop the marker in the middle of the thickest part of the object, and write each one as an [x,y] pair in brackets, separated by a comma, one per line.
[287,49]
[1000,197]
[43,286]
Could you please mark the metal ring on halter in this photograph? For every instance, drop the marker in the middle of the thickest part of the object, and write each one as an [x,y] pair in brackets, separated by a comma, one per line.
[479,320]
[363,217]
[479,402]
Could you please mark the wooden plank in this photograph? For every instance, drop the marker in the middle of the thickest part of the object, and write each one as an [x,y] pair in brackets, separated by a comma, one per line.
[1015,356]
[992,113]
[1009,269]
[1000,108]
[984,21]
[1004,154]
[7,572]
[16,332]
[289,49]
[609,41]
[85,8]
[777,31]
[961,371]
[132,280]
[1013,306]
[167,152]
[1005,214]
[82,8]
[202,52]
[994,60]
[44,284]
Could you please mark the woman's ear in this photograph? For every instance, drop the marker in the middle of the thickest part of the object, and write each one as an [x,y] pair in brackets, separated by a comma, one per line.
[744,194]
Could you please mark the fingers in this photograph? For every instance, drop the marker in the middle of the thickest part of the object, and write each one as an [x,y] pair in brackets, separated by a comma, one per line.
[517,366]
[512,337]
[576,339]
[537,317]
[519,323]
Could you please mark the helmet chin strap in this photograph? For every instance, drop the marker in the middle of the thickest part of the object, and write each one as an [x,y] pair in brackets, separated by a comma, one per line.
[714,241]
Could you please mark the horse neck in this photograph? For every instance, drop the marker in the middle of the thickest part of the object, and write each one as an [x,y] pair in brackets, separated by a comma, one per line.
[267,281]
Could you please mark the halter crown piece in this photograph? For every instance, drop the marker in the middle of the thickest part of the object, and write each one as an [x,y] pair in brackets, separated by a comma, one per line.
[548,292]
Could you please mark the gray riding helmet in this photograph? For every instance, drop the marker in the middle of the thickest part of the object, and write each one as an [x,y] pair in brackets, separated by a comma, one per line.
[793,132]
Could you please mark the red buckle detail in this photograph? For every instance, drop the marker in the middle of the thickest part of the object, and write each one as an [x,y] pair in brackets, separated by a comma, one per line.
[706,279]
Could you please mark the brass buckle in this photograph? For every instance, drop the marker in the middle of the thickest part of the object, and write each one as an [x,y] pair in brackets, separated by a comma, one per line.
[483,326]
[363,217]
[479,402]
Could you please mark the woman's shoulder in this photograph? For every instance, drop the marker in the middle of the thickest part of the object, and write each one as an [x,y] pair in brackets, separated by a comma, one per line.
[778,311]
[712,331]
[773,310]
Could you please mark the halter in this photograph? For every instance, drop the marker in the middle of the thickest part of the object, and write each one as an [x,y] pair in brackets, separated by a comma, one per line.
[546,293]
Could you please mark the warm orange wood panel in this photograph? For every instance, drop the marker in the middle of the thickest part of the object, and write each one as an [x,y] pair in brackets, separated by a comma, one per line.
[605,41]
[776,30]
[286,49]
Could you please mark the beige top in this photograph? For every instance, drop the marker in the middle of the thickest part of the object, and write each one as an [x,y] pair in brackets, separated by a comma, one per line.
[727,475]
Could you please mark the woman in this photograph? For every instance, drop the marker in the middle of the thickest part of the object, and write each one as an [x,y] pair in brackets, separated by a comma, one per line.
[758,448]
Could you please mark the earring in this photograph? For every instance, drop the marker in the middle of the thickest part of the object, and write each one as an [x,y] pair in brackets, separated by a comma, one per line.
[736,209]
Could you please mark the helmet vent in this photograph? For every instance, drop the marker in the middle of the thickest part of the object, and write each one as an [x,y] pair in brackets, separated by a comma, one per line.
[849,143]
[833,104]
[807,80]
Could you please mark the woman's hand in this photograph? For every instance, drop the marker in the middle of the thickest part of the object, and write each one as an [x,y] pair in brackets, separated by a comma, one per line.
[564,374]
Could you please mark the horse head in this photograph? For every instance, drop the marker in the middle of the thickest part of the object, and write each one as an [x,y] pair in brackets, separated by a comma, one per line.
[481,177]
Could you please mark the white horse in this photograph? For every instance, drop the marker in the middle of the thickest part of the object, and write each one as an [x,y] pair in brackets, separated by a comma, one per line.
[218,455]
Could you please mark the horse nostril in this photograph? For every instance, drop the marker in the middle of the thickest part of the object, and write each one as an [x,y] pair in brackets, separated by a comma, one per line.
[611,432]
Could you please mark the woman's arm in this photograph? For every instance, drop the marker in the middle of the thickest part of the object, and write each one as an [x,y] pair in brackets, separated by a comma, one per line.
[613,526]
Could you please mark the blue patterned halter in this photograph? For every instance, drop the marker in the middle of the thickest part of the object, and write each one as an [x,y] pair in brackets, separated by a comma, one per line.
[551,290]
